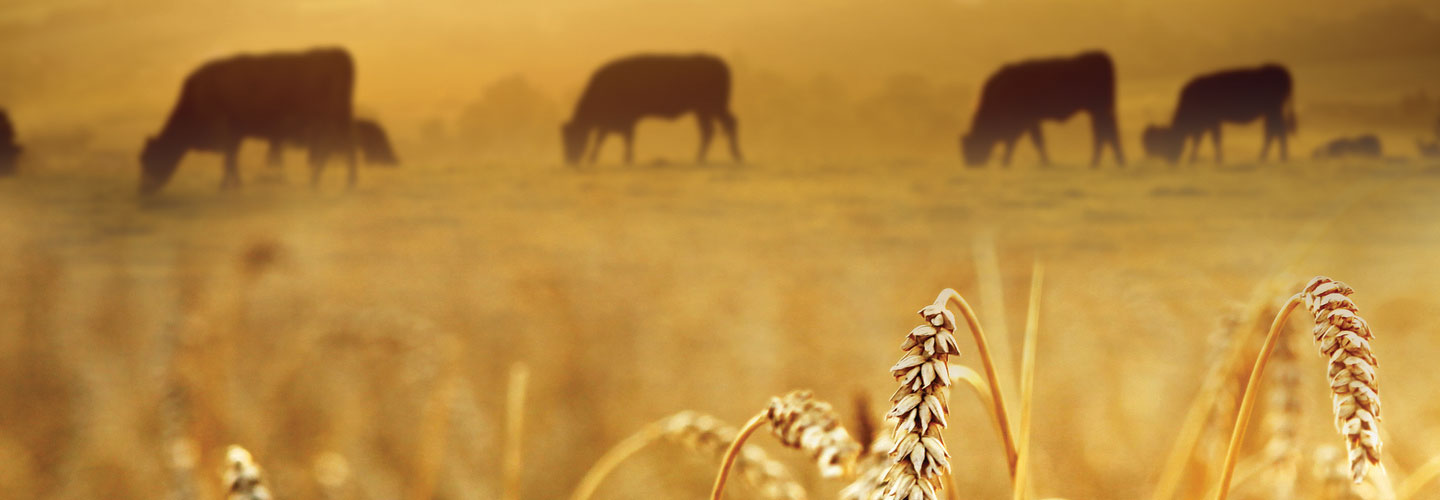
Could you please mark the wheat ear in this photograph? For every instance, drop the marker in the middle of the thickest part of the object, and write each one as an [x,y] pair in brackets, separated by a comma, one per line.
[798,421]
[919,458]
[1343,336]
[242,476]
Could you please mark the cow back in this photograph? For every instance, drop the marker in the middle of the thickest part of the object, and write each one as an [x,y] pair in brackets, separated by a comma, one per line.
[654,85]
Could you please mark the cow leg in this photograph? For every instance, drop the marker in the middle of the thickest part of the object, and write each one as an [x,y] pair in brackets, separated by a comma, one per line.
[707,131]
[1106,132]
[727,122]
[351,158]
[1009,149]
[1196,139]
[629,135]
[1279,131]
[318,155]
[1039,139]
[275,156]
[231,179]
[1265,145]
[1215,135]
[599,140]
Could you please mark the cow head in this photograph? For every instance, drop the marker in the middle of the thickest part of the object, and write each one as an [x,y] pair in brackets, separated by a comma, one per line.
[1163,142]
[157,163]
[574,136]
[975,149]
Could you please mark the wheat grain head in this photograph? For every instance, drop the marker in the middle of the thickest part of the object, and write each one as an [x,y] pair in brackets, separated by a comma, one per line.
[1344,337]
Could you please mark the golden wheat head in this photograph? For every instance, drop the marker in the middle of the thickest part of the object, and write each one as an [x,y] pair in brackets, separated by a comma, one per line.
[798,420]
[1344,337]
[919,457]
[242,476]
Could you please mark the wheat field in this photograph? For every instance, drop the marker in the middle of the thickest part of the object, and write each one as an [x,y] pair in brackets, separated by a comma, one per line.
[360,344]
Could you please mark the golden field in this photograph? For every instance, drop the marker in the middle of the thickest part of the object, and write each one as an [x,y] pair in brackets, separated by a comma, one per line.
[380,324]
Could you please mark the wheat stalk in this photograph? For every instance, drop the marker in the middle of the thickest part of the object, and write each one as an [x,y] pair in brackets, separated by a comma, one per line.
[242,476]
[801,422]
[1283,413]
[514,425]
[704,434]
[1027,382]
[1344,336]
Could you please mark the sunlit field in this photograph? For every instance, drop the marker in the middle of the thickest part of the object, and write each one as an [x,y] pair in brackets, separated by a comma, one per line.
[485,321]
[379,325]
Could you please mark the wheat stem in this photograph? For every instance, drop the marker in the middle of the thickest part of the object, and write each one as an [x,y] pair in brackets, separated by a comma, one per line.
[750,427]
[514,429]
[1027,382]
[950,295]
[1423,475]
[612,458]
[1193,426]
[1247,404]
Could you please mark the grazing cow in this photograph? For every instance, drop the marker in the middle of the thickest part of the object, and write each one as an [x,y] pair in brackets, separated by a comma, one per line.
[1018,97]
[9,151]
[1234,96]
[624,91]
[370,138]
[1360,146]
[304,95]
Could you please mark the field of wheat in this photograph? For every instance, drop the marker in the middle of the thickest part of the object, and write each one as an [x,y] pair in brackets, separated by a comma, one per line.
[494,331]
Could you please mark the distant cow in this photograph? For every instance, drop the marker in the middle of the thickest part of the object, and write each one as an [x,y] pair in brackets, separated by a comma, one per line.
[370,138]
[1234,96]
[304,95]
[9,151]
[1361,146]
[1018,97]
[624,91]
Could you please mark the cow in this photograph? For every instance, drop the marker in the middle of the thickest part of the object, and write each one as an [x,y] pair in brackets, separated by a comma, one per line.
[1019,96]
[1231,96]
[1360,146]
[9,150]
[304,95]
[623,91]
[370,139]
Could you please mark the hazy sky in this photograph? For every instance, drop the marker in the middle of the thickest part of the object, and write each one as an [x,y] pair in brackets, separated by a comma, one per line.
[69,61]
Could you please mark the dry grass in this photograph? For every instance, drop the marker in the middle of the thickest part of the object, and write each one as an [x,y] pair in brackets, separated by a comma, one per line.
[242,476]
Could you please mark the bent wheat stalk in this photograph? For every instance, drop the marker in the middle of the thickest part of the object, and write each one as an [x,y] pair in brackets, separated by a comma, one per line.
[1343,336]
[988,363]
[704,434]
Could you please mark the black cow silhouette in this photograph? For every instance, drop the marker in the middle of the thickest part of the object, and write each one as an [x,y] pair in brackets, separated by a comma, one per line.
[303,95]
[1018,97]
[1231,96]
[9,150]
[1360,146]
[625,90]
[370,138]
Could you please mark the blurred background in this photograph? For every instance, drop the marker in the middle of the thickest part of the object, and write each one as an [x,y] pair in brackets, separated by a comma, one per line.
[358,342]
